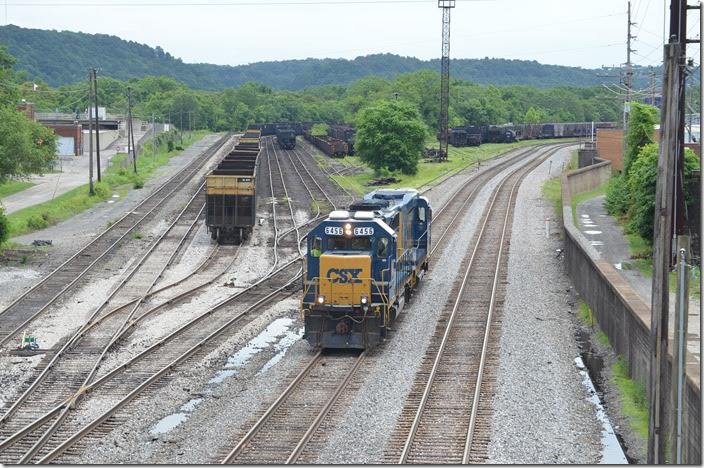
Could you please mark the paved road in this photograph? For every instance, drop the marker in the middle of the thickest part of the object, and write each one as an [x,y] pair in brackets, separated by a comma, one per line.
[74,173]
[607,237]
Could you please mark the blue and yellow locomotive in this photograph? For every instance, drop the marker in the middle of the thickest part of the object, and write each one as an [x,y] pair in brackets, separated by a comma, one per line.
[361,267]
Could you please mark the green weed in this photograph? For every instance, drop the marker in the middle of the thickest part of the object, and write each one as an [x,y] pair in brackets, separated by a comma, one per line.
[633,398]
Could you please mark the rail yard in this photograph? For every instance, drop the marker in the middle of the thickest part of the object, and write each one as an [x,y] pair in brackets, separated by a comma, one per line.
[192,346]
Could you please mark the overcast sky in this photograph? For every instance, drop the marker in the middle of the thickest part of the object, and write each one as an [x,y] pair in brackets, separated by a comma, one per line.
[587,33]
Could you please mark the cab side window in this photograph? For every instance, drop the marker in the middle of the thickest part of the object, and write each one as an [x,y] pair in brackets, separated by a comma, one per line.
[382,247]
[421,214]
[316,246]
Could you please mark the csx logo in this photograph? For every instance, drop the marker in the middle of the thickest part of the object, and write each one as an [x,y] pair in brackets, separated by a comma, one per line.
[344,275]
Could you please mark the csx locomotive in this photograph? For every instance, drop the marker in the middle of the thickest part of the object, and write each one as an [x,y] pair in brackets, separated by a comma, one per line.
[361,267]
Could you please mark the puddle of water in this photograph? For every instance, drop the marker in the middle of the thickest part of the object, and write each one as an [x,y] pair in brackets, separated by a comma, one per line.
[277,334]
[191,404]
[592,233]
[221,375]
[115,195]
[618,266]
[282,347]
[590,367]
[596,243]
[585,216]
[111,201]
[168,423]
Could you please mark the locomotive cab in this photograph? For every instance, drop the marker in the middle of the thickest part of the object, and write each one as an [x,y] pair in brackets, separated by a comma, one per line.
[361,266]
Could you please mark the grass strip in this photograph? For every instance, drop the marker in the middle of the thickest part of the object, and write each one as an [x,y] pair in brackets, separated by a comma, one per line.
[429,172]
[13,186]
[632,397]
[119,177]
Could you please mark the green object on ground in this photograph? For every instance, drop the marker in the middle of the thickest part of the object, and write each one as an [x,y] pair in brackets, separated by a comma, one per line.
[13,186]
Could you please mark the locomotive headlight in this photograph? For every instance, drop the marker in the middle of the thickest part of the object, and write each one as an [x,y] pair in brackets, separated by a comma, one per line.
[364,300]
[348,230]
[321,299]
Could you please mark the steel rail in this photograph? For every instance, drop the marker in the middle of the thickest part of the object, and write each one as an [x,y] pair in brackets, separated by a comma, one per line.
[295,454]
[134,393]
[298,450]
[34,425]
[120,332]
[459,295]
[191,169]
[489,318]
[272,408]
[80,333]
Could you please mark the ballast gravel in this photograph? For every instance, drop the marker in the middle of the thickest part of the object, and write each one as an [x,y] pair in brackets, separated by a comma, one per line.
[371,418]
[541,412]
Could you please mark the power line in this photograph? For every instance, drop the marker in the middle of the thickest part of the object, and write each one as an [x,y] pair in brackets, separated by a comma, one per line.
[248,3]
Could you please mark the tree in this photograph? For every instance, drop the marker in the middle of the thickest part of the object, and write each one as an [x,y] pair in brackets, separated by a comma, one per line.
[26,147]
[640,132]
[391,135]
[642,183]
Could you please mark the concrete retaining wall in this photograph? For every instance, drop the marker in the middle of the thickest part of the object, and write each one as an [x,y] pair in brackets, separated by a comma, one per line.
[621,313]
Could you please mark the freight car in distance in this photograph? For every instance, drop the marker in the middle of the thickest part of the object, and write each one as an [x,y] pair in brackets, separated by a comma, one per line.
[231,194]
[331,146]
[286,138]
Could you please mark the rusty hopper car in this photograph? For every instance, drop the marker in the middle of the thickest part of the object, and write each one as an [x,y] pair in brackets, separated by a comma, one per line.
[331,146]
[231,195]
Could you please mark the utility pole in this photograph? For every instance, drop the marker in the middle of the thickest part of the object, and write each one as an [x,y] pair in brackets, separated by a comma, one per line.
[446,6]
[97,125]
[130,131]
[91,190]
[153,136]
[629,76]
[670,230]
[180,127]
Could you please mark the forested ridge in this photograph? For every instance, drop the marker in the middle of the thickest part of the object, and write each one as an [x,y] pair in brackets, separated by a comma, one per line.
[62,57]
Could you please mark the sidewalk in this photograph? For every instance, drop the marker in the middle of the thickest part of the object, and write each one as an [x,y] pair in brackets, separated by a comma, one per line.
[607,237]
[74,173]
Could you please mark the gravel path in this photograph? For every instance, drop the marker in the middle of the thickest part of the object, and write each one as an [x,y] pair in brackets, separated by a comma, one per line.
[541,411]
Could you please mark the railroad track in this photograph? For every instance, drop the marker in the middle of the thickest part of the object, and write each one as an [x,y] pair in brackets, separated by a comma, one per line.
[445,418]
[283,430]
[66,421]
[17,315]
[282,433]
[77,362]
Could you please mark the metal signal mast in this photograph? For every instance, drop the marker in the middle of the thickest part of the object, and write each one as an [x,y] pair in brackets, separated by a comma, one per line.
[446,5]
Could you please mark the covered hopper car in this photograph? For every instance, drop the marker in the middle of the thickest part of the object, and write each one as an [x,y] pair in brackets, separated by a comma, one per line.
[231,199]
[361,267]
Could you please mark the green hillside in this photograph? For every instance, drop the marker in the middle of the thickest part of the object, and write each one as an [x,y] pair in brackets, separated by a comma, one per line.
[61,57]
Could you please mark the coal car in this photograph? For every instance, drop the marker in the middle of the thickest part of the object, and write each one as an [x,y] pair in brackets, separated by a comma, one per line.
[231,199]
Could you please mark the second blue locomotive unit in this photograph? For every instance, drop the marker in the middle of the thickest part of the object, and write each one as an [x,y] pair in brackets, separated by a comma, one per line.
[361,267]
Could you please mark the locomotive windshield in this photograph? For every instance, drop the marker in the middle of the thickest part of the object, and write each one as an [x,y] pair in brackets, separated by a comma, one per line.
[356,244]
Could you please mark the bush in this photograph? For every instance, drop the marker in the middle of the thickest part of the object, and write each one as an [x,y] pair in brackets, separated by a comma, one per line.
[179,148]
[138,183]
[4,227]
[642,185]
[170,146]
[618,199]
[35,223]
[102,190]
